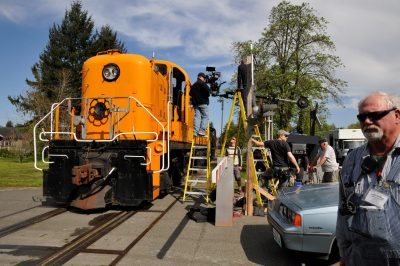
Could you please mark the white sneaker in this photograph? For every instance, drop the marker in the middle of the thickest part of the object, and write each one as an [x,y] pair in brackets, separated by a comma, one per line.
[202,134]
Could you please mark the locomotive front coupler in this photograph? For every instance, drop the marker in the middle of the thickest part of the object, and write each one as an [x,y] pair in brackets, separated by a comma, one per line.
[99,184]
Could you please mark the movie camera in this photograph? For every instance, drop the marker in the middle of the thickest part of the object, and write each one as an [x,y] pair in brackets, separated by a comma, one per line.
[212,77]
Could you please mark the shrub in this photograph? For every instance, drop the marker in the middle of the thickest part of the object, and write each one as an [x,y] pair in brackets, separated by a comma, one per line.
[5,153]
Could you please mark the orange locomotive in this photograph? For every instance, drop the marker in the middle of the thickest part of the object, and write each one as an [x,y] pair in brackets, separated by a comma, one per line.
[124,141]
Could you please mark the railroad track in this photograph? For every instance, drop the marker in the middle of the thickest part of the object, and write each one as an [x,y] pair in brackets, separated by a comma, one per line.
[36,219]
[81,244]
[145,231]
[18,212]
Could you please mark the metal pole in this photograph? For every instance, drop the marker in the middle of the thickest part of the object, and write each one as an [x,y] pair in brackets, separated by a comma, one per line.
[265,128]
[252,67]
[222,114]
[272,127]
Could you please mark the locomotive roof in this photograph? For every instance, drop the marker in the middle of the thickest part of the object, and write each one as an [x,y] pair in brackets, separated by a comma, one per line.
[115,52]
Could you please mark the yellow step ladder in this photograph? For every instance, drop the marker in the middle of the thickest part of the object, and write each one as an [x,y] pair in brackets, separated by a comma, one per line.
[272,182]
[198,181]
[242,116]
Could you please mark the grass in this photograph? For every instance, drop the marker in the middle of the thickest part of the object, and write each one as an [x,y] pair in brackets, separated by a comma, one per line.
[16,174]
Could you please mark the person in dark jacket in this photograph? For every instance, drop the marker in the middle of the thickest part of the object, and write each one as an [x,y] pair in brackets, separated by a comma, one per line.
[282,156]
[243,80]
[244,84]
[200,93]
[242,75]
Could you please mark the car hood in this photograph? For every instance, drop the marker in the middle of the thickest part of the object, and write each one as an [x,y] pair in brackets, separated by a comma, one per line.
[311,196]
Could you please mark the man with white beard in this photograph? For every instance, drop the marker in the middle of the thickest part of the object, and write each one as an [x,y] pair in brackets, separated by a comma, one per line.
[368,222]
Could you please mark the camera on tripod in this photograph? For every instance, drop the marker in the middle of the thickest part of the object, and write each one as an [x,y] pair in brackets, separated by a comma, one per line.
[212,77]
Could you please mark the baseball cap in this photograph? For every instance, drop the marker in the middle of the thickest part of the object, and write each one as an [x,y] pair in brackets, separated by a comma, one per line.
[322,141]
[282,132]
[201,74]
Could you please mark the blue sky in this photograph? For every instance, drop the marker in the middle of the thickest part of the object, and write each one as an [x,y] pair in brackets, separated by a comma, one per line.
[195,34]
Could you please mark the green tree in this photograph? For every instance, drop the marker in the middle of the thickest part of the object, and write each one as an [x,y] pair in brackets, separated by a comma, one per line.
[9,124]
[57,74]
[106,39]
[294,58]
[21,149]
[354,125]
[233,131]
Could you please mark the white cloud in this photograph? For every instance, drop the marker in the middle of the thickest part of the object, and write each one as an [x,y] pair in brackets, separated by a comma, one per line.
[366,36]
[13,13]
[202,29]
[29,12]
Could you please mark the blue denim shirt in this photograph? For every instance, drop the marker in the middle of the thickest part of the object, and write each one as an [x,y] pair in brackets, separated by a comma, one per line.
[370,236]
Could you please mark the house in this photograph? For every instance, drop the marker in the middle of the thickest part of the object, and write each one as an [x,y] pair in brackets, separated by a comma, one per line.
[7,136]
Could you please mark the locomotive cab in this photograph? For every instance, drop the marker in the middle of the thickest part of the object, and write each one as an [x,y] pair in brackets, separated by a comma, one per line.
[124,140]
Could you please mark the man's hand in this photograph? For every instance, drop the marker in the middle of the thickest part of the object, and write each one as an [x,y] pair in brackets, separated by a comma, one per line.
[257,143]
[312,167]
[297,169]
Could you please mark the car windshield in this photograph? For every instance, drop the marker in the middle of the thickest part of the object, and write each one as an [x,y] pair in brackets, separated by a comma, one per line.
[353,144]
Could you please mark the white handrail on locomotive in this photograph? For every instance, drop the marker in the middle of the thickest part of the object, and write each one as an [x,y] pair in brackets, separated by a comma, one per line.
[123,133]
[136,156]
[53,107]
[51,132]
[53,155]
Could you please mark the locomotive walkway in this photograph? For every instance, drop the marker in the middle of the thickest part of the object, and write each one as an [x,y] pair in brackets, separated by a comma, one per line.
[174,240]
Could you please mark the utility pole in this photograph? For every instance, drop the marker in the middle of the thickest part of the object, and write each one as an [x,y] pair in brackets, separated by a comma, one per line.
[248,96]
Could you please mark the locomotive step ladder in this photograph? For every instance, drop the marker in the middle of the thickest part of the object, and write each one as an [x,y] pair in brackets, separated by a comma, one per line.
[198,181]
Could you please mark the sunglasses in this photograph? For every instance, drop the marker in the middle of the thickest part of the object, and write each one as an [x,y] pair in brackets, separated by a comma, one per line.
[374,116]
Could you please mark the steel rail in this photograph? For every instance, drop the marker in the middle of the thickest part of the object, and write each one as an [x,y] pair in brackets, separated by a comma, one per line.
[145,231]
[36,219]
[18,212]
[80,243]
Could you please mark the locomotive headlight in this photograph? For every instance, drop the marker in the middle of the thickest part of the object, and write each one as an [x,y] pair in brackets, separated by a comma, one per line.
[110,72]
[100,110]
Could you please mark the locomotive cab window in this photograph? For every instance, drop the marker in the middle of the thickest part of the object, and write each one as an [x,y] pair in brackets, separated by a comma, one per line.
[161,68]
[178,80]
